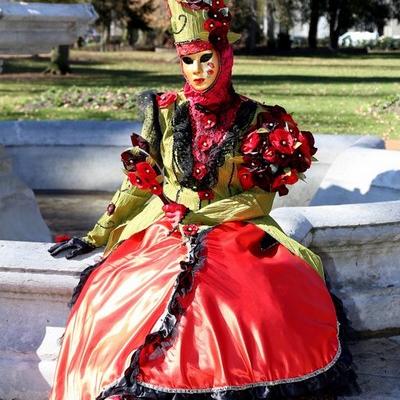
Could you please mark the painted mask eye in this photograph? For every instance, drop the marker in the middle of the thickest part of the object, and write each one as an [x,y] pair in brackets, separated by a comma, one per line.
[187,60]
[206,57]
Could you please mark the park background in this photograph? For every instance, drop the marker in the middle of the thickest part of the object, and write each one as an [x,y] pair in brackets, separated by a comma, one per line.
[291,53]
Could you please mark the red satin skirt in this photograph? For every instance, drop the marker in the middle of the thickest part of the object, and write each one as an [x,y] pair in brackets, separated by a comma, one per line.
[248,317]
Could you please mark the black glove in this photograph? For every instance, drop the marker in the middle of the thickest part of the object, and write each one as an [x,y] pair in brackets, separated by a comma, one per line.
[75,246]
[267,242]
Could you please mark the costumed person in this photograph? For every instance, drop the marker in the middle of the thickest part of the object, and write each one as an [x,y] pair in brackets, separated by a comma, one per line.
[200,295]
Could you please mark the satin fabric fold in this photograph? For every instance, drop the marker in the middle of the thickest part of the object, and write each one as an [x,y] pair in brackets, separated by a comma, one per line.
[253,317]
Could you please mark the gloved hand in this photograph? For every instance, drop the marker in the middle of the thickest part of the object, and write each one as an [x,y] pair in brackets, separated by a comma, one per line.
[74,246]
[267,242]
[175,212]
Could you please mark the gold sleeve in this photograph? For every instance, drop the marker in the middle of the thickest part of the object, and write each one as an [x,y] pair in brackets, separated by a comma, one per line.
[129,200]
[245,206]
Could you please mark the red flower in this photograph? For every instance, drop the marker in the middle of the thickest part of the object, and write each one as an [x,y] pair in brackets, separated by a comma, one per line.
[175,211]
[61,238]
[283,141]
[271,155]
[288,118]
[137,181]
[300,162]
[209,120]
[246,178]
[130,160]
[138,141]
[204,142]
[156,188]
[250,142]
[307,143]
[253,163]
[190,230]
[199,171]
[217,4]
[289,178]
[211,24]
[218,37]
[206,195]
[166,99]
[146,172]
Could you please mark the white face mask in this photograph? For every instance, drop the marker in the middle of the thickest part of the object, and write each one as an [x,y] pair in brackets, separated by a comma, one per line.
[201,69]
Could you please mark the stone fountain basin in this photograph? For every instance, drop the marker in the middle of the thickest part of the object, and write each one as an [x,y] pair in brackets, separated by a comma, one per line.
[32,28]
[353,223]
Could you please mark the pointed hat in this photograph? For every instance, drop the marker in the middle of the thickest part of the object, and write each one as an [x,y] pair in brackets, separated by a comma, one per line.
[207,20]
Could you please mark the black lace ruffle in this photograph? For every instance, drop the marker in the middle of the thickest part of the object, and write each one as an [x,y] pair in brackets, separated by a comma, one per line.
[182,148]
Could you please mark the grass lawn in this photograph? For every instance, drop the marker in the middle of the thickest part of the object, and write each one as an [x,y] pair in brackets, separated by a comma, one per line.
[346,94]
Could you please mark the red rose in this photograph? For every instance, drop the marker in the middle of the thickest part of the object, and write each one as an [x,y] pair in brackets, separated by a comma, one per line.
[199,171]
[250,142]
[246,178]
[206,195]
[190,230]
[283,141]
[146,172]
[137,181]
[285,179]
[204,142]
[166,99]
[174,211]
[61,238]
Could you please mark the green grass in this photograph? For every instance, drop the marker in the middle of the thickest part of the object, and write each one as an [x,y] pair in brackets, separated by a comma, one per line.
[326,95]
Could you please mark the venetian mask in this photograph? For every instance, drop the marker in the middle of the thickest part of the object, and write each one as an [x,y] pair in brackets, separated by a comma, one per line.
[201,69]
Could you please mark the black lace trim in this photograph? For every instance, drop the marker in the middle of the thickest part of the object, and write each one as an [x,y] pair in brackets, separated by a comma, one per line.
[182,148]
[83,277]
[147,104]
[127,386]
[339,380]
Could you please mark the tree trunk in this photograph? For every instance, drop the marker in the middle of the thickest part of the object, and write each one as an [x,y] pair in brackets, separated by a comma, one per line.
[252,40]
[314,19]
[105,37]
[270,25]
[59,61]
[334,8]
[381,28]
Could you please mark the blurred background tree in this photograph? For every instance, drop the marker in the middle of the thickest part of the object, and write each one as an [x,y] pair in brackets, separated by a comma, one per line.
[267,23]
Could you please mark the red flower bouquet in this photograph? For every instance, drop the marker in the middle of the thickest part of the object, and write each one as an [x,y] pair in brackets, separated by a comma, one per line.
[275,155]
[144,172]
[141,169]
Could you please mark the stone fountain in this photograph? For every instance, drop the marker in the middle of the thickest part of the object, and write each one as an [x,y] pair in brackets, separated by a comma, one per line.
[33,28]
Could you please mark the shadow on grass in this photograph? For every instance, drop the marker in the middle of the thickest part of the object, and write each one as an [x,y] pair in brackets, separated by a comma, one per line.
[86,74]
